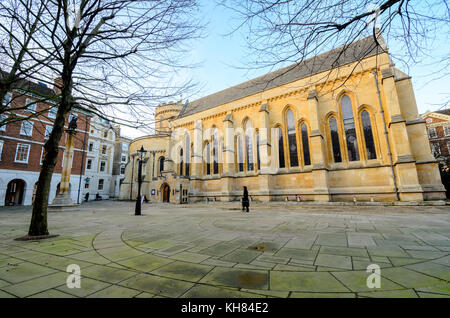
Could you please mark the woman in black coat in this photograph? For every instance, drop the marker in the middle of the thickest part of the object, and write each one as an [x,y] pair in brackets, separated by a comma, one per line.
[245,201]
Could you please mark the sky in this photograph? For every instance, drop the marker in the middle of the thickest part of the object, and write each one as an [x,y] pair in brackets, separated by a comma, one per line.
[222,56]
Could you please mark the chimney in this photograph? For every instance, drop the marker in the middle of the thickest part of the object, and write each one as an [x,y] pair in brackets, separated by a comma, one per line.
[57,85]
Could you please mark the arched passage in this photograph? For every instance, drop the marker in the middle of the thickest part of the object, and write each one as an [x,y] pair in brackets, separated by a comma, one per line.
[15,192]
[165,193]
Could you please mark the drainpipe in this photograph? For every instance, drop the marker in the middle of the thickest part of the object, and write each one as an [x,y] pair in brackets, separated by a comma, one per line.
[386,136]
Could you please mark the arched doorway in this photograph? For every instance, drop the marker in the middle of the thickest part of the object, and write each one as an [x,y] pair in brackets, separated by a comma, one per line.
[15,192]
[165,192]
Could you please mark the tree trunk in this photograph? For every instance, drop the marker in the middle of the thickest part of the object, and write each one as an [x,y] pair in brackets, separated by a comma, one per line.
[38,225]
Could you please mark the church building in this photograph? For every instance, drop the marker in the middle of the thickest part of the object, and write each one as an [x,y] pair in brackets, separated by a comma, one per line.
[341,126]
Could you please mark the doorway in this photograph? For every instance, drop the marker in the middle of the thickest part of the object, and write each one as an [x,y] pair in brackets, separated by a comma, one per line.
[15,192]
[165,192]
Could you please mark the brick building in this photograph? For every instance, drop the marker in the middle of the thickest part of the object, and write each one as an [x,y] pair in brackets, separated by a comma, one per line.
[438,128]
[22,145]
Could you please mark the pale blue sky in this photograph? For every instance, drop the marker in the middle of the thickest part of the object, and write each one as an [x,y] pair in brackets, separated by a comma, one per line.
[222,55]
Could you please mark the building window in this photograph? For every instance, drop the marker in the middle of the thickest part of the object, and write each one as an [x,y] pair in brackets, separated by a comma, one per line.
[89,164]
[86,185]
[249,145]
[292,138]
[3,125]
[181,162]
[215,154]
[208,159]
[7,99]
[258,160]
[335,140]
[22,153]
[91,146]
[432,133]
[122,169]
[42,155]
[349,128]
[240,154]
[102,166]
[104,149]
[447,130]
[435,149]
[71,116]
[188,154]
[1,148]
[305,144]
[124,158]
[368,136]
[280,148]
[27,128]
[124,147]
[52,112]
[161,165]
[31,105]
[48,131]
[100,184]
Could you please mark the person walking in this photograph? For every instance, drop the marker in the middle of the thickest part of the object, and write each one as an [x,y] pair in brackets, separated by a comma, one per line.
[245,201]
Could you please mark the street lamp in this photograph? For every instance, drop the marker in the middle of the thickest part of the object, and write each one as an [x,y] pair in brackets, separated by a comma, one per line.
[141,153]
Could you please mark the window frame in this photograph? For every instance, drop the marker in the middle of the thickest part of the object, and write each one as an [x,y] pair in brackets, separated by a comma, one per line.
[100,167]
[2,142]
[288,153]
[33,108]
[22,126]
[28,153]
[3,117]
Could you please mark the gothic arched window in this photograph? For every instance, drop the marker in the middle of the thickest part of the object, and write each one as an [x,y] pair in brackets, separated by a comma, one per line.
[292,138]
[280,148]
[249,145]
[208,158]
[349,128]
[188,155]
[305,145]
[215,154]
[258,160]
[161,165]
[368,135]
[240,154]
[181,161]
[335,140]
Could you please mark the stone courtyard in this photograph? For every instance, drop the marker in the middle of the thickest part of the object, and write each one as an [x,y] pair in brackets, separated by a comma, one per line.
[215,250]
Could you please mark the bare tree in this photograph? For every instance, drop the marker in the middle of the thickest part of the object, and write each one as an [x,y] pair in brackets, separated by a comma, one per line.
[114,59]
[19,25]
[289,31]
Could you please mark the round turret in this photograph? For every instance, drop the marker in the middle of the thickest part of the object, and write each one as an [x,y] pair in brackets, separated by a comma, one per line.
[165,113]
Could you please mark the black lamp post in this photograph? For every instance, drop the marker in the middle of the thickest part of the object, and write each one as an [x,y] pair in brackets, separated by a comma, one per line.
[141,153]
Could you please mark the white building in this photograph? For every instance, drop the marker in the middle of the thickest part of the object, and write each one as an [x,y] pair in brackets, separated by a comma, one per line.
[98,177]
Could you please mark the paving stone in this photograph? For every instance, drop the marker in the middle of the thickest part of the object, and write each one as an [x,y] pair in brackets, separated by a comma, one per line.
[184,271]
[144,295]
[88,287]
[216,262]
[401,261]
[174,249]
[297,254]
[432,295]
[241,256]
[432,269]
[345,251]
[115,292]
[443,260]
[360,240]
[119,253]
[203,291]
[91,257]
[190,257]
[336,261]
[443,288]
[220,249]
[409,278]
[239,278]
[157,285]
[290,268]
[145,263]
[106,274]
[23,271]
[405,293]
[322,295]
[332,240]
[392,251]
[356,281]
[273,259]
[426,254]
[6,295]
[305,282]
[37,285]
[305,242]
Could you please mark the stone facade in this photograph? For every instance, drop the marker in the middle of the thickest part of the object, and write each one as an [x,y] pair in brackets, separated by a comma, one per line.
[342,126]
